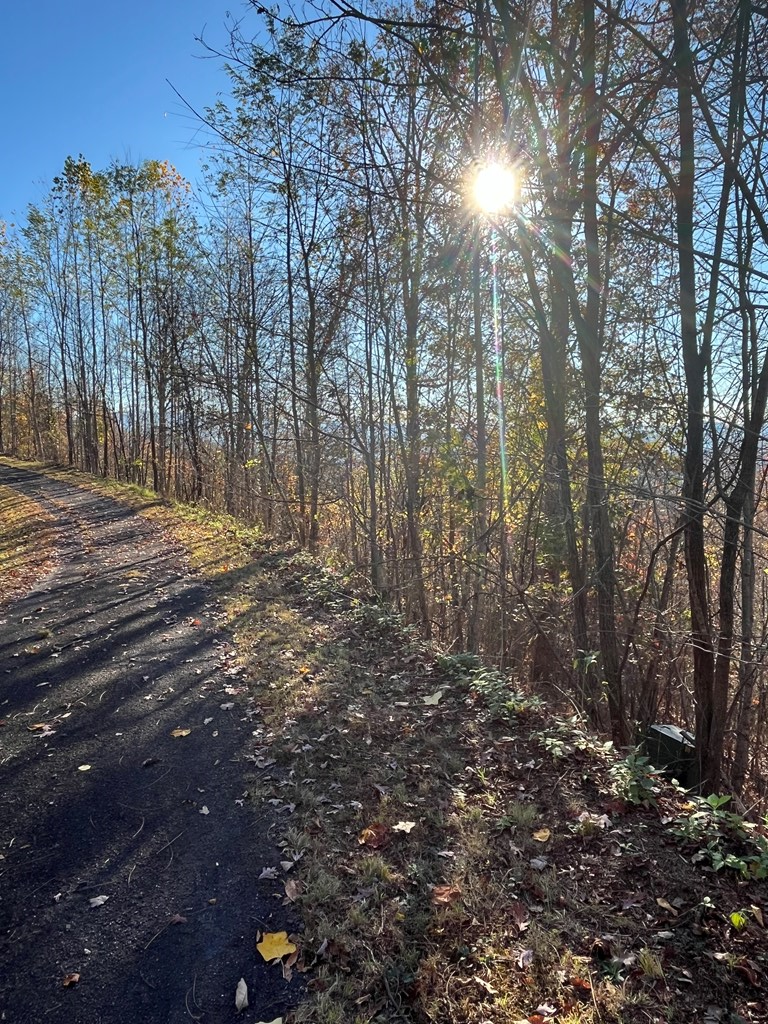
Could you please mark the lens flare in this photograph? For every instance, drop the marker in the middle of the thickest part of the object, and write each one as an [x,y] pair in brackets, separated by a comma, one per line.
[495,188]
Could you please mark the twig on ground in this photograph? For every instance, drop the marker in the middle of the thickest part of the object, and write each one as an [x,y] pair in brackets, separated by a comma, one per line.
[171,841]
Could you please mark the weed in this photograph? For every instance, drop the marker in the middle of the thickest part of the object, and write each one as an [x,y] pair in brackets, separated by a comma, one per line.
[374,868]
[320,886]
[503,702]
[636,780]
[459,667]
[518,815]
[725,839]
[649,963]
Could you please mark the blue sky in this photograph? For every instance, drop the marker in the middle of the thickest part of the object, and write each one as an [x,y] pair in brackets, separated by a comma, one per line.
[90,77]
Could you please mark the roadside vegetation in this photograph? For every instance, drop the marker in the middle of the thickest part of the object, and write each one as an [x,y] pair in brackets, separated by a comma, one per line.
[460,851]
[27,542]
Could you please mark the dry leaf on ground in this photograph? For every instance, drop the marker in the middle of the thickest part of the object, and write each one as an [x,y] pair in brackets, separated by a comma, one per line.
[180,732]
[520,915]
[84,768]
[525,958]
[98,901]
[665,905]
[275,945]
[542,835]
[434,698]
[444,894]
[288,965]
[293,889]
[70,979]
[404,826]
[241,995]
[375,835]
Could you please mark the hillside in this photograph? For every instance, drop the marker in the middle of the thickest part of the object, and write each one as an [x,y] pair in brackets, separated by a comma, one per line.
[435,842]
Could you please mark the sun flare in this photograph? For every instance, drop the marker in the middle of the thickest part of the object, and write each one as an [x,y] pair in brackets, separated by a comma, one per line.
[494,188]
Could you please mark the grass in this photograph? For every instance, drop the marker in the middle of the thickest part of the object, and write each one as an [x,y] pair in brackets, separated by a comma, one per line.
[27,542]
[509,898]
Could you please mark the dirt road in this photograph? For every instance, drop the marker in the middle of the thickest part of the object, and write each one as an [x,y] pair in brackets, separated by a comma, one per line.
[113,652]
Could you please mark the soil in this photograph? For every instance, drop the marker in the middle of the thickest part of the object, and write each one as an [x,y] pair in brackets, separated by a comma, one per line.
[115,649]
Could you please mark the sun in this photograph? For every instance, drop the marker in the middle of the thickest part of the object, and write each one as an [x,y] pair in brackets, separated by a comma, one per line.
[494,188]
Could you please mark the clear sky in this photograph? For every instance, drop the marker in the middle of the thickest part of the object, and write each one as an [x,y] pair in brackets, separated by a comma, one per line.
[89,76]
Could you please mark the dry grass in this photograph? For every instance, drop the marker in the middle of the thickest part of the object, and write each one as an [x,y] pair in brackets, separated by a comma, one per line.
[27,542]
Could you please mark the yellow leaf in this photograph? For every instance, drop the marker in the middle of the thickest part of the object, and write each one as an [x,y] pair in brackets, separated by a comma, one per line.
[181,732]
[542,835]
[275,945]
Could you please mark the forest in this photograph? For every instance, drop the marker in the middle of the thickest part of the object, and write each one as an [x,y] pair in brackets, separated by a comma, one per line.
[537,431]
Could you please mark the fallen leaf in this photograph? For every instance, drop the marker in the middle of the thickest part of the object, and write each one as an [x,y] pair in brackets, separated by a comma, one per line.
[37,726]
[275,945]
[84,768]
[228,706]
[98,901]
[178,919]
[404,826]
[180,732]
[70,979]
[444,894]
[241,995]
[666,906]
[434,698]
[580,984]
[542,835]
[539,863]
[547,1009]
[525,958]
[293,889]
[375,836]
[748,970]
[268,873]
[287,966]
[632,900]
[204,810]
[519,914]
[757,914]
